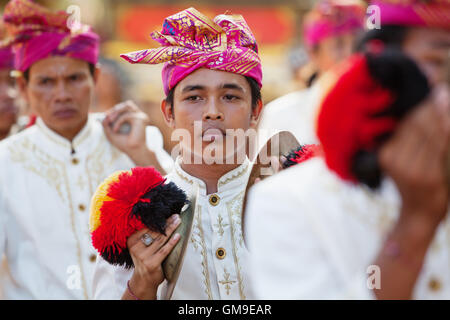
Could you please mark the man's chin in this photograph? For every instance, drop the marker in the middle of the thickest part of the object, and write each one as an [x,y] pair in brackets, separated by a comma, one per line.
[211,155]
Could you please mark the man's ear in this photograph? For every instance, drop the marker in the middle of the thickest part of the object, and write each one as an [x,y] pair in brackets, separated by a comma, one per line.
[22,85]
[256,114]
[167,111]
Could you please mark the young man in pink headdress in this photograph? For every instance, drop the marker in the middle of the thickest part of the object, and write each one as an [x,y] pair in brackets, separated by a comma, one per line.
[212,78]
[330,31]
[48,173]
[369,219]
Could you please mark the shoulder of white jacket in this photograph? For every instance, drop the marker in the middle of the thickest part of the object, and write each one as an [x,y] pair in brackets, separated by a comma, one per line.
[303,179]
[13,140]
[287,100]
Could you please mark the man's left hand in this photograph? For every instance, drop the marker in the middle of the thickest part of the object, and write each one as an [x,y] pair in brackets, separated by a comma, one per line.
[132,143]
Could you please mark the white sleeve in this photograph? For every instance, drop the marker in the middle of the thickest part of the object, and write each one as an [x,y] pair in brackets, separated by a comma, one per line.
[109,282]
[287,257]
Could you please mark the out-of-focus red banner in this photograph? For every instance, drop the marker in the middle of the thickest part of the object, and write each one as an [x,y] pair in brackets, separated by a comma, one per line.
[270,25]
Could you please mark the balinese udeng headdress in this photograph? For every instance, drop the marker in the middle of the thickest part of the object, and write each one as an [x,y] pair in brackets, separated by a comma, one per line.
[37,33]
[190,41]
[375,91]
[126,202]
[301,154]
[419,13]
[330,18]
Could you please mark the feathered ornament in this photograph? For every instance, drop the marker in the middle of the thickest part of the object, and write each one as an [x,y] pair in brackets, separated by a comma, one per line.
[126,202]
[373,94]
[301,154]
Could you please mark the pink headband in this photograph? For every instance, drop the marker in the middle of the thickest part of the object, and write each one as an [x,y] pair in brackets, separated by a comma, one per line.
[191,41]
[432,13]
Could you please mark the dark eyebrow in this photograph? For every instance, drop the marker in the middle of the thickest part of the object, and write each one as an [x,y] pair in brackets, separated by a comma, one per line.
[232,86]
[75,74]
[192,88]
[43,76]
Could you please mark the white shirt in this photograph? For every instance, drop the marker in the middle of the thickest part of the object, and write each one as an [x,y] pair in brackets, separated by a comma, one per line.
[45,193]
[313,236]
[203,275]
[295,112]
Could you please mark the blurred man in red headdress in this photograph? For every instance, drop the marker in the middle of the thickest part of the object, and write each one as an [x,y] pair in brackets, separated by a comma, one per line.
[369,218]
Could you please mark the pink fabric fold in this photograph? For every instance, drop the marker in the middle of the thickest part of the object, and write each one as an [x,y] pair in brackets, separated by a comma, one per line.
[432,13]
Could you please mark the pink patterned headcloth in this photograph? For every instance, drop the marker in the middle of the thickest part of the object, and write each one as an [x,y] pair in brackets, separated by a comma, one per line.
[191,41]
[431,13]
[331,18]
[37,33]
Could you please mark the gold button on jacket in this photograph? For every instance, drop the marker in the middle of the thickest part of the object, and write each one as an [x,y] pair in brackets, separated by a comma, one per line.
[434,284]
[221,253]
[214,199]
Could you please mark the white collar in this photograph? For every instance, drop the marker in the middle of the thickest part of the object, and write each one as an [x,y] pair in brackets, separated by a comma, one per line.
[228,181]
[57,140]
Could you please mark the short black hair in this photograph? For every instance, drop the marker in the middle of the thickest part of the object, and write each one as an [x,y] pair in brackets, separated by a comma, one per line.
[254,87]
[26,73]
[391,35]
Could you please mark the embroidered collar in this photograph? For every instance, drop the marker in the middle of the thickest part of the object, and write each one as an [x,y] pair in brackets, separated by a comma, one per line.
[55,138]
[224,183]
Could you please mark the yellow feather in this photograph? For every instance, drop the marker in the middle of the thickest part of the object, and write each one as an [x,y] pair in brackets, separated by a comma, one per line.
[100,196]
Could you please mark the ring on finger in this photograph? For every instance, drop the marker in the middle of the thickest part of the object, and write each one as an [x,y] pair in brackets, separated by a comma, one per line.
[147,239]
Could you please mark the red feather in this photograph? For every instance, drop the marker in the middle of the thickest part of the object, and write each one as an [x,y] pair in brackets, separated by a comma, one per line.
[346,122]
[116,222]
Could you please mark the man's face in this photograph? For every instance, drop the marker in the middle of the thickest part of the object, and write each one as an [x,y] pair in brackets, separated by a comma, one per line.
[8,108]
[59,90]
[430,48]
[218,101]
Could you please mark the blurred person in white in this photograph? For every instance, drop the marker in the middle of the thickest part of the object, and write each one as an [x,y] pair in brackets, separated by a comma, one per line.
[368,219]
[330,31]
[48,172]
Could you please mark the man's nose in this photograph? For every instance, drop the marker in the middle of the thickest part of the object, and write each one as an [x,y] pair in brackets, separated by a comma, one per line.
[212,111]
[62,93]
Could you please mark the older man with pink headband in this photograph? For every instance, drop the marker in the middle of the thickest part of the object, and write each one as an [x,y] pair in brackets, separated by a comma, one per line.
[212,78]
[49,171]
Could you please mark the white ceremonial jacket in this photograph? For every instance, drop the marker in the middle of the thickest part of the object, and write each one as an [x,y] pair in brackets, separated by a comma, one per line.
[205,274]
[313,236]
[46,184]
